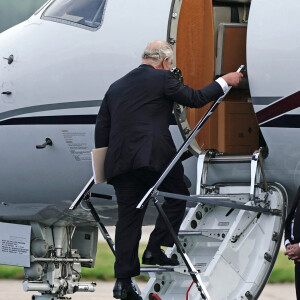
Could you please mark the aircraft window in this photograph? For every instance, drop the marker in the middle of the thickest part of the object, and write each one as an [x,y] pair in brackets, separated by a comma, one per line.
[45,4]
[76,12]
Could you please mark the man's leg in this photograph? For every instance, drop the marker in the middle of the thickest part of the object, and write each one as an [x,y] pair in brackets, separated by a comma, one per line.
[175,211]
[128,229]
[173,208]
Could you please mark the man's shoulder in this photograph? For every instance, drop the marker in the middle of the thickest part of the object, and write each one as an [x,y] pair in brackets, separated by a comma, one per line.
[121,80]
[148,69]
[140,73]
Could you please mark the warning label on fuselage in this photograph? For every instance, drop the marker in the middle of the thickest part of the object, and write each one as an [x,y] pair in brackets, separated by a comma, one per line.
[15,244]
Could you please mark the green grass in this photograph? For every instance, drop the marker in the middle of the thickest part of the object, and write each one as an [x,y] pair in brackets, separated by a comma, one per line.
[104,270]
[9,272]
[283,270]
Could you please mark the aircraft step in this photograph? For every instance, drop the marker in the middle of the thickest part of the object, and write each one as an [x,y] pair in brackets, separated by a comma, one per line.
[210,157]
[189,232]
[218,159]
[164,269]
[157,269]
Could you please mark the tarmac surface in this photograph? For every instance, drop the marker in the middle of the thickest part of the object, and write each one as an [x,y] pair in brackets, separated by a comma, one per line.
[13,290]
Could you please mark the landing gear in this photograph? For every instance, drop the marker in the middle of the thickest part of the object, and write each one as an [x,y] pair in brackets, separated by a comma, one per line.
[57,254]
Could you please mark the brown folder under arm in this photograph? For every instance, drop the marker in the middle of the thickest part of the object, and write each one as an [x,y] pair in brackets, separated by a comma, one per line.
[98,158]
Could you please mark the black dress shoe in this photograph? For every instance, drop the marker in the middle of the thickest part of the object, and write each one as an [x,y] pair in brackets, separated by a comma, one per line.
[158,258]
[125,293]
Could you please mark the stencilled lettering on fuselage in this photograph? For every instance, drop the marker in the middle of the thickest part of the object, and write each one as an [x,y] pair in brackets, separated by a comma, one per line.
[78,144]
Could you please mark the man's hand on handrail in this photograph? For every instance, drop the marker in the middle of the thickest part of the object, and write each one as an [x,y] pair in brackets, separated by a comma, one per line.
[233,78]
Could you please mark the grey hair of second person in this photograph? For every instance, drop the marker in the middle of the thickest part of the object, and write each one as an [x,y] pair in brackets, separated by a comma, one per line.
[157,51]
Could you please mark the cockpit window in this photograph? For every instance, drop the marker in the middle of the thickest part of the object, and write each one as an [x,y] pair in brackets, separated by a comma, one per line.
[83,13]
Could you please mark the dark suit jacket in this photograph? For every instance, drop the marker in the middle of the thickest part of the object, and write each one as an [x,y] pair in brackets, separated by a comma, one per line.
[294,213]
[133,120]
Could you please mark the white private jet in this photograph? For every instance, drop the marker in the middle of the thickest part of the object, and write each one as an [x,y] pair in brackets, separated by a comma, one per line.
[55,69]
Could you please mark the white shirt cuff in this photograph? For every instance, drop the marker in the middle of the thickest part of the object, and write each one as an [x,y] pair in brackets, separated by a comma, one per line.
[223,84]
[287,242]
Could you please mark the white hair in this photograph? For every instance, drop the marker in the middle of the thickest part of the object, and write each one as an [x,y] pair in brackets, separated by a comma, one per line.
[157,51]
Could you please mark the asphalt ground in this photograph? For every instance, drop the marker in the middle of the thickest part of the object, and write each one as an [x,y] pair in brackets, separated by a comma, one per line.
[13,290]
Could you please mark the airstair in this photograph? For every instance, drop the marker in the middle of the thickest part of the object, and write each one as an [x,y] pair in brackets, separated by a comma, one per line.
[232,235]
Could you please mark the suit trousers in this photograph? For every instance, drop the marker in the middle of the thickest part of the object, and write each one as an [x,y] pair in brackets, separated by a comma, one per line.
[130,189]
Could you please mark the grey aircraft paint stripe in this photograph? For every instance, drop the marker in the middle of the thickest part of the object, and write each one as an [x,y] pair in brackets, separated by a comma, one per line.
[47,107]
[264,100]
[93,103]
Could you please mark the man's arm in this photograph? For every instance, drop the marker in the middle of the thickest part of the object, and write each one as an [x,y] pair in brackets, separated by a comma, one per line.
[103,124]
[289,219]
[187,96]
[293,251]
[287,231]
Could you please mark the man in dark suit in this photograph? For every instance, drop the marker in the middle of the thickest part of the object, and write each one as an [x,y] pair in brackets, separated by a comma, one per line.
[133,122]
[292,238]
